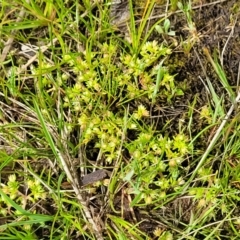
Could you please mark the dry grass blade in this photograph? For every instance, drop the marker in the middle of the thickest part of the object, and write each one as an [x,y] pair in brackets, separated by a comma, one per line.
[65,165]
[213,141]
[9,43]
[34,58]
[179,11]
[53,140]
[103,128]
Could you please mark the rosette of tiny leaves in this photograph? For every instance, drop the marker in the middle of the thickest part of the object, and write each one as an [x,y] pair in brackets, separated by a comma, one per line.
[37,191]
[151,157]
[11,189]
[107,75]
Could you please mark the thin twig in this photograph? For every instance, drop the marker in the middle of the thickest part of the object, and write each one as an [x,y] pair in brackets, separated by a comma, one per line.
[225,45]
[175,12]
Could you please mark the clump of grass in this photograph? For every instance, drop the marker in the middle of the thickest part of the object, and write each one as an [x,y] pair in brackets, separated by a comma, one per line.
[85,100]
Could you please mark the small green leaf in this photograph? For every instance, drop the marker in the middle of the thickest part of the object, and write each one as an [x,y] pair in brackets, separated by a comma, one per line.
[166,25]
[129,175]
[159,29]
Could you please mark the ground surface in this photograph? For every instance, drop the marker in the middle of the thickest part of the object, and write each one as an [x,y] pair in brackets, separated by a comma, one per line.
[93,146]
